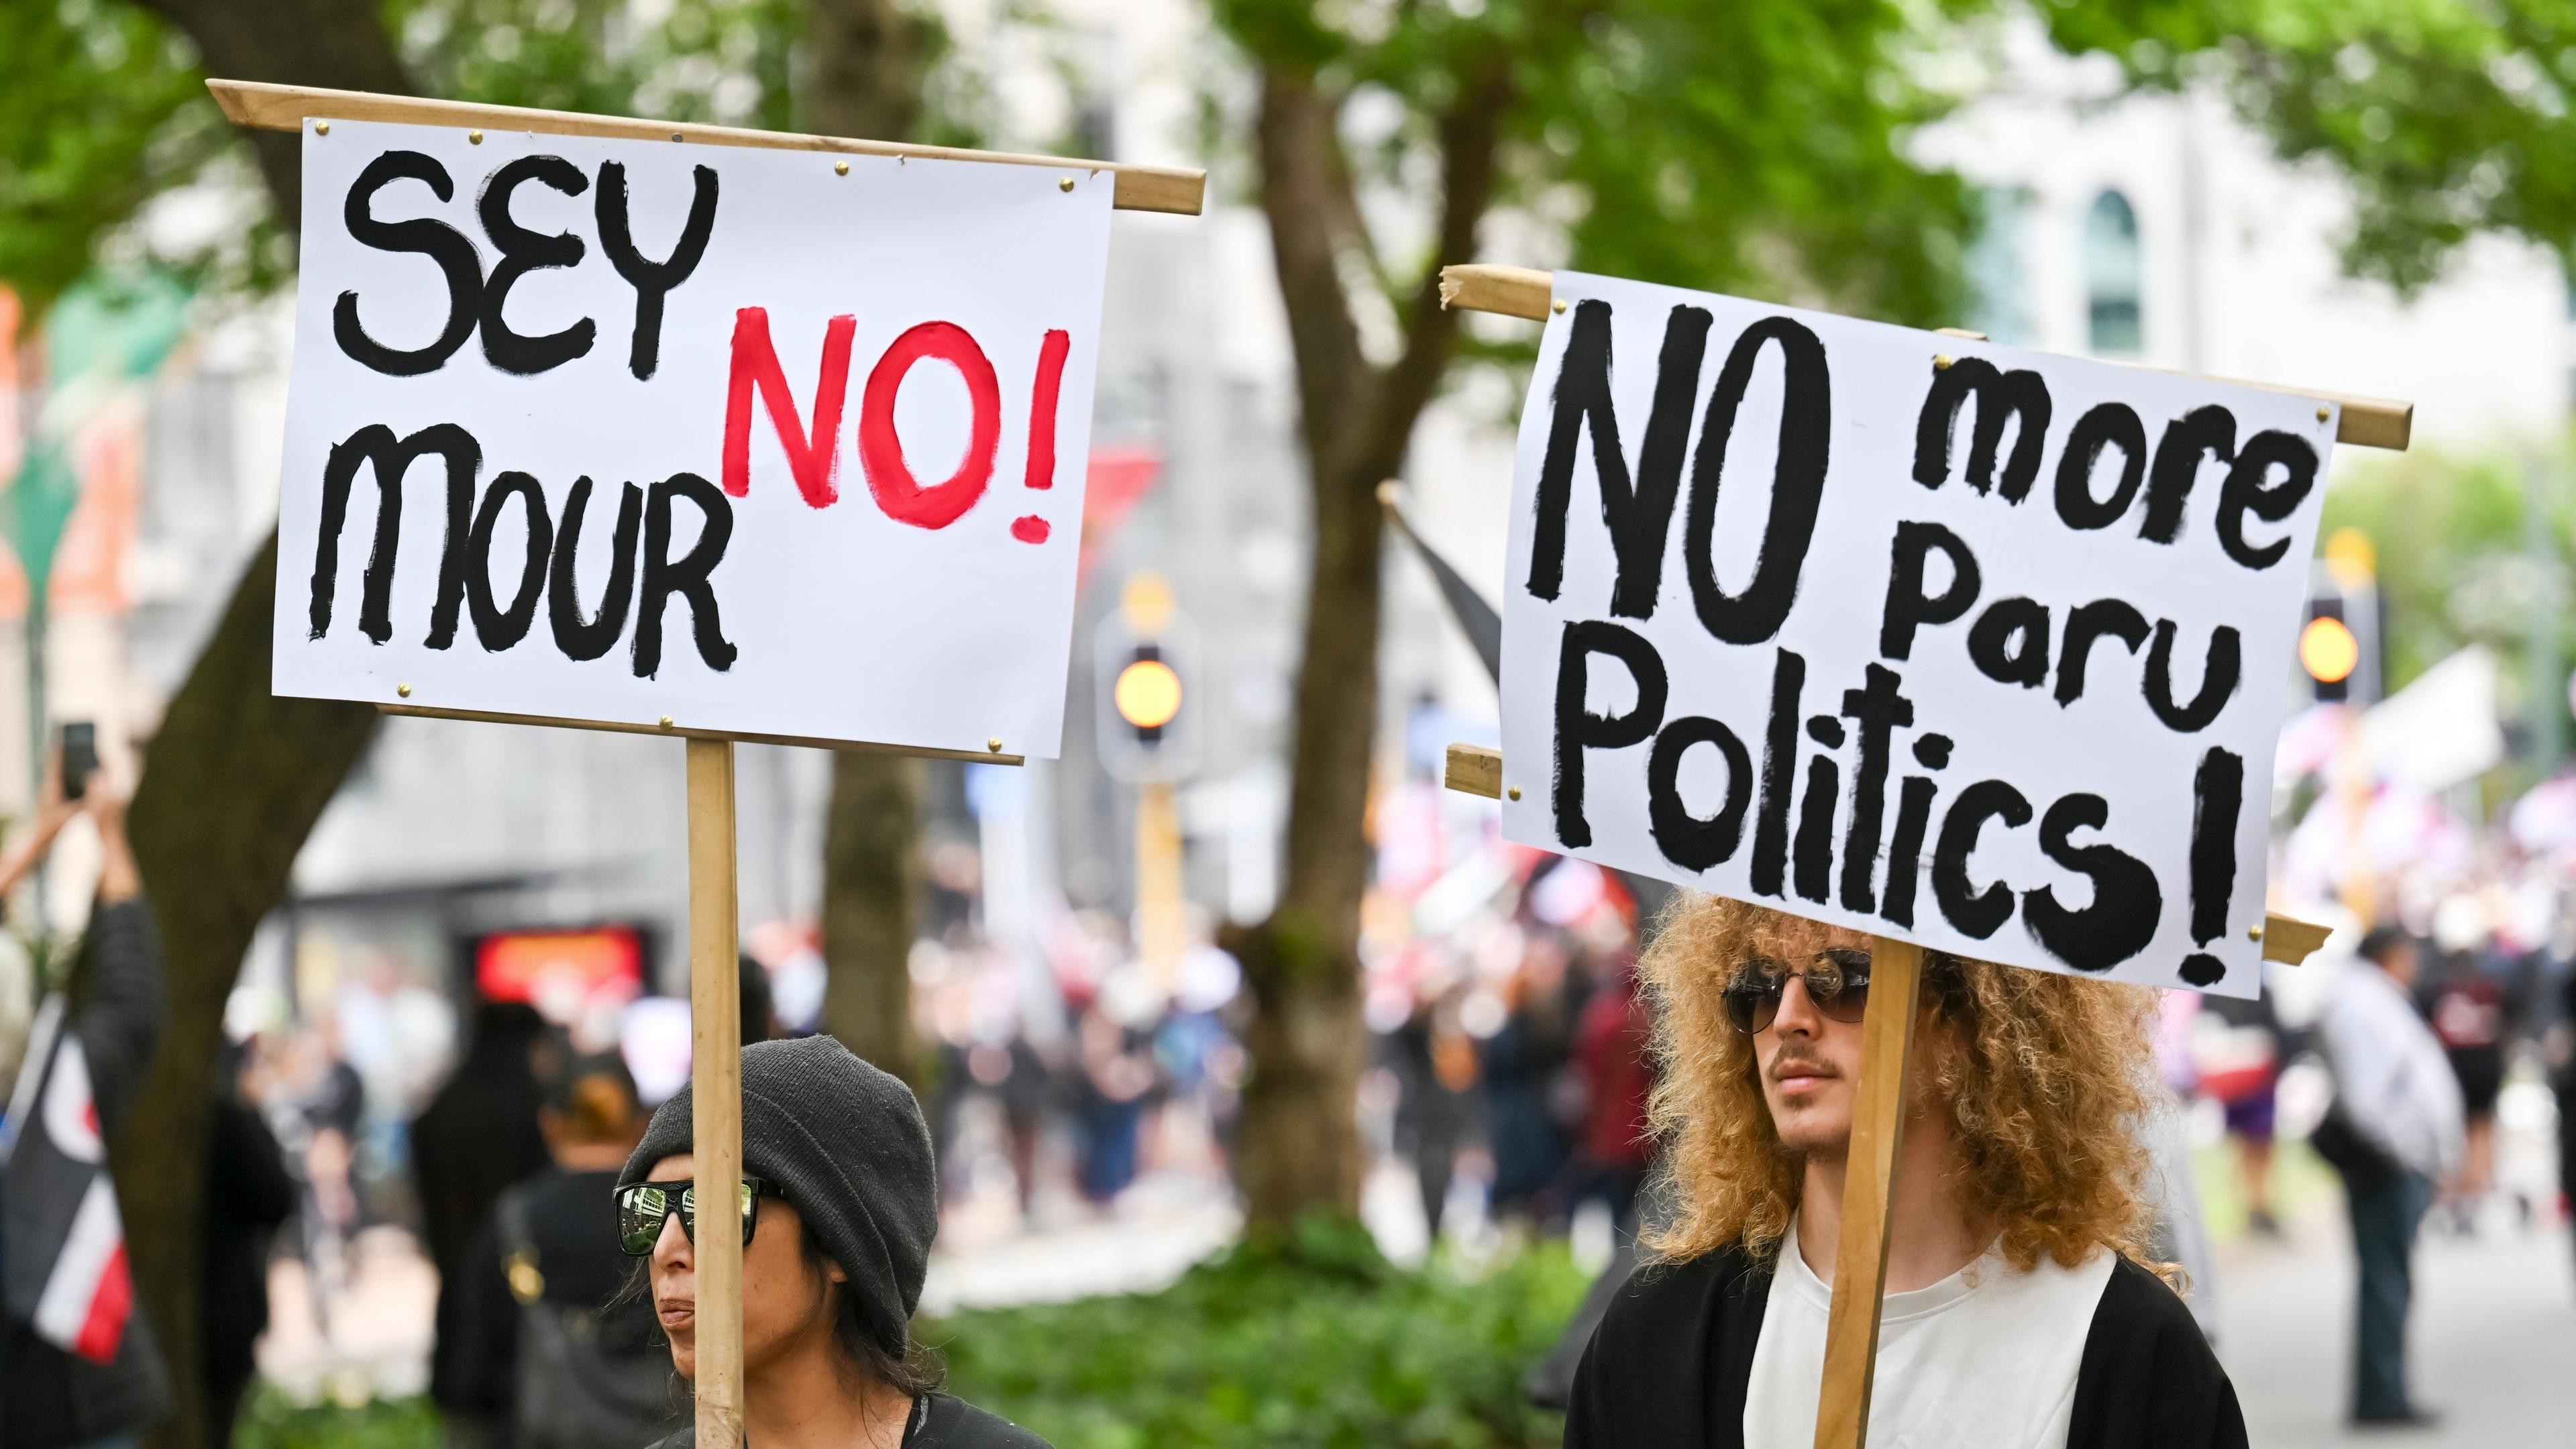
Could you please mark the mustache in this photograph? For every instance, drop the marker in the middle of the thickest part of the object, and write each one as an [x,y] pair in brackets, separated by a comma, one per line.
[1794,1062]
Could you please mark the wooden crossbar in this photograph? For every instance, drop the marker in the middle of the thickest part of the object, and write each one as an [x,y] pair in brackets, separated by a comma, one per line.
[261,106]
[687,732]
[2365,422]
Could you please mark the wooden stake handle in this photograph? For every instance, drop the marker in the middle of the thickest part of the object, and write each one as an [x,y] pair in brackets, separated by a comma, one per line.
[715,1086]
[1869,1185]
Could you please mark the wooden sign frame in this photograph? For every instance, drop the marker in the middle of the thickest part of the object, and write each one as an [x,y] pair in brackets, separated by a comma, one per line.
[1896,967]
[715,981]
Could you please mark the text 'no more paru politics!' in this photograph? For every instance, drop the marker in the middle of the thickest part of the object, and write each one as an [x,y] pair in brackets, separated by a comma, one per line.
[1913,635]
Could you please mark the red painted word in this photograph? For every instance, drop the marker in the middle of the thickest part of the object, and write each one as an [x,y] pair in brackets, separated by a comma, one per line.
[813,459]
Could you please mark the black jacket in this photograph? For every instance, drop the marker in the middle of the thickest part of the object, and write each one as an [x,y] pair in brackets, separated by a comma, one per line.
[1669,1367]
[50,1399]
[939,1421]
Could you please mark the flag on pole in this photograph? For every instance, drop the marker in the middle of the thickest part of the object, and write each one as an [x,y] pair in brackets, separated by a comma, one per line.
[67,1275]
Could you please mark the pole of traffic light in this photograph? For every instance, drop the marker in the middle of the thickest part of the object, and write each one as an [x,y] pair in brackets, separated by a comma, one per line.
[2548,688]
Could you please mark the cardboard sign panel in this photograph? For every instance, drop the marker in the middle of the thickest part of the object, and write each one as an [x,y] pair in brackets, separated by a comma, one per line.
[765,442]
[1945,641]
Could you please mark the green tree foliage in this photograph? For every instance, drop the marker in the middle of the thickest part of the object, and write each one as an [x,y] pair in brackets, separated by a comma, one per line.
[2447,118]
[101,110]
[2454,560]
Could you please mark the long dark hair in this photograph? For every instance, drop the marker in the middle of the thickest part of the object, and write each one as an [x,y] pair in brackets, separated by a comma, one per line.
[918,1372]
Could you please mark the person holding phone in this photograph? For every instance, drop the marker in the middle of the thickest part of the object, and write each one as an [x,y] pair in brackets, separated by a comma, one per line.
[79,1363]
[838,1206]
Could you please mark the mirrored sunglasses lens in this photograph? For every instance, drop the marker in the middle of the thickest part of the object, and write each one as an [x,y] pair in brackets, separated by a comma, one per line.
[639,1219]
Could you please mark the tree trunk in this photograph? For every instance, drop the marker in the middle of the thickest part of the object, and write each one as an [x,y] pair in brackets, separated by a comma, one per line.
[233,781]
[1299,1148]
[871,878]
[866,60]
[235,777]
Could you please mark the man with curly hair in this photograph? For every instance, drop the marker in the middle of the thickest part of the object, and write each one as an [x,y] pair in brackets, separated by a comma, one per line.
[2019,1313]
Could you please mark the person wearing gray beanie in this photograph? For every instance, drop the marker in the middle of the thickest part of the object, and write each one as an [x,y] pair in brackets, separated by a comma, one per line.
[839,1204]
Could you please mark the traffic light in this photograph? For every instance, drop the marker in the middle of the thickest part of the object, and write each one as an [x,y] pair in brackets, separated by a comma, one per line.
[1142,654]
[2328,651]
[2339,642]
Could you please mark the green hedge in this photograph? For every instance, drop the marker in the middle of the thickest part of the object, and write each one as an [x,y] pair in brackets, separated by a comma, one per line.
[1317,1341]
[271,1420]
[1314,1343]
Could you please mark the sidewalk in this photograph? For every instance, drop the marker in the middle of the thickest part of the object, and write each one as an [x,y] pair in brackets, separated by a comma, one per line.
[2493,1336]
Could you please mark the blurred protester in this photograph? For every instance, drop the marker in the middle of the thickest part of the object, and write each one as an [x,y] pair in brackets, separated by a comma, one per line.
[479,1135]
[249,1193]
[759,1004]
[2017,1309]
[2469,1020]
[2393,1132]
[553,1358]
[79,1363]
[2565,1086]
[1614,1050]
[1111,1091]
[1434,1066]
[1520,1067]
[840,1203]
[334,1110]
[2236,1048]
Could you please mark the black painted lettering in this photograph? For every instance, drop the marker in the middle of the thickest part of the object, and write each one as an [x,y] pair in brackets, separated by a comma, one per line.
[2218,678]
[2009,642]
[2019,396]
[2250,489]
[2108,425]
[593,637]
[1578,729]
[1814,852]
[1687,840]
[2203,432]
[1908,607]
[2100,619]
[376,445]
[524,251]
[1974,913]
[2217,796]
[692,578]
[1876,710]
[497,627]
[1779,775]
[2126,900]
[457,260]
[653,281]
[1905,852]
[1797,483]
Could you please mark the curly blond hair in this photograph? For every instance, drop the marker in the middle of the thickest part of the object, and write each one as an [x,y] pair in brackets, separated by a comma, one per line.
[2045,1079]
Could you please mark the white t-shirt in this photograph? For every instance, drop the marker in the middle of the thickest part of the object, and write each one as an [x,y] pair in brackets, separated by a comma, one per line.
[1983,1359]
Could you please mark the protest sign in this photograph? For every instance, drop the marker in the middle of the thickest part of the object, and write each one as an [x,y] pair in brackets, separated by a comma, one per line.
[1953,643]
[765,442]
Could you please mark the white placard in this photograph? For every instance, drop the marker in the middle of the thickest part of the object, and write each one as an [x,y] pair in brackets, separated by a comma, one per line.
[734,436]
[1844,633]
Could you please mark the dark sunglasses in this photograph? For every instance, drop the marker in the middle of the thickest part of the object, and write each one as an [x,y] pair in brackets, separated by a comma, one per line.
[1838,984]
[644,1207]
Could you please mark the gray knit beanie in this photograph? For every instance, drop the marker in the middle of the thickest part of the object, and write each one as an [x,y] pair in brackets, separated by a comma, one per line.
[846,1146]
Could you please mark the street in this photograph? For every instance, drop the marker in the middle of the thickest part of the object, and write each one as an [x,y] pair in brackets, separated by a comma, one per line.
[2494,1336]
